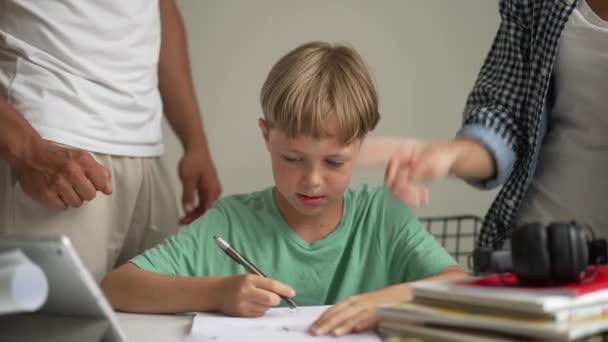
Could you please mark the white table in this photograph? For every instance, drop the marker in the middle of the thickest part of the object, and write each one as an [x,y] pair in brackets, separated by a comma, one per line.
[152,328]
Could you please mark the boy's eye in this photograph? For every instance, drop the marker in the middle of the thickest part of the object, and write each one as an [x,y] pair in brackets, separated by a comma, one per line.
[334,163]
[291,159]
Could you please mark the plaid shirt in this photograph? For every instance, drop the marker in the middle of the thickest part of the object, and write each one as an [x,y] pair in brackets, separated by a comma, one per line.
[510,97]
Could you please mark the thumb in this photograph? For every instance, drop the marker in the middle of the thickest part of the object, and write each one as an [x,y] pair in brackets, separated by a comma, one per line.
[189,187]
[419,171]
[108,187]
[428,167]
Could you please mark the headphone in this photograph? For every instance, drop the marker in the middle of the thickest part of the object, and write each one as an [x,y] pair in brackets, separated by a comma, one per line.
[540,255]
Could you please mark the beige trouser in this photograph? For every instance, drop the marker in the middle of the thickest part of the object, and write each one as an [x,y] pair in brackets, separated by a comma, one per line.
[110,229]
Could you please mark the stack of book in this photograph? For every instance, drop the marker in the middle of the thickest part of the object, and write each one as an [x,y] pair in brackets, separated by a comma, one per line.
[496,308]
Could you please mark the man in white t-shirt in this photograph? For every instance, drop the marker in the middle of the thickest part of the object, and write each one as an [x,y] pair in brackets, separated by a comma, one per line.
[83,85]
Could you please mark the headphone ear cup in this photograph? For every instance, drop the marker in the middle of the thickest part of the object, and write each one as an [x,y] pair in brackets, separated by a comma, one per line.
[531,259]
[581,255]
[568,250]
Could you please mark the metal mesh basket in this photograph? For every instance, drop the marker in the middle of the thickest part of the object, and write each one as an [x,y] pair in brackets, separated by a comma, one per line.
[456,234]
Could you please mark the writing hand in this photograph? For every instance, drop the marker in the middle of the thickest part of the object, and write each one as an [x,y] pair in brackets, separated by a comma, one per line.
[249,295]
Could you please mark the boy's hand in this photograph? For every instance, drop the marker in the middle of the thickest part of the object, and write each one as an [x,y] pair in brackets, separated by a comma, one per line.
[357,313]
[249,295]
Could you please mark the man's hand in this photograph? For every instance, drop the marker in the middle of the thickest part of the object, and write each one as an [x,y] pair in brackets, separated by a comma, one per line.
[248,295]
[357,313]
[61,177]
[196,169]
[199,179]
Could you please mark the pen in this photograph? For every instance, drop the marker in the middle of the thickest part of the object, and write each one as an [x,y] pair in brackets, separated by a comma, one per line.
[241,260]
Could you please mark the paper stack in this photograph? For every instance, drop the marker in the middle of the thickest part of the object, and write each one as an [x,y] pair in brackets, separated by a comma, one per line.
[495,308]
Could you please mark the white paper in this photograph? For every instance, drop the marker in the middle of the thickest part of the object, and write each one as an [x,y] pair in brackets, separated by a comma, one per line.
[280,324]
[23,285]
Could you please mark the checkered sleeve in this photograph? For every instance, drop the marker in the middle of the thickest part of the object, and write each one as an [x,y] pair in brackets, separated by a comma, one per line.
[497,98]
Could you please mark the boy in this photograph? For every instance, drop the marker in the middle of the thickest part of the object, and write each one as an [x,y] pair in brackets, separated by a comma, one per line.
[331,245]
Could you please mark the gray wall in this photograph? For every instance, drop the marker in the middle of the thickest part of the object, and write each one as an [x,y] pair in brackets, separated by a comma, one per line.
[424,56]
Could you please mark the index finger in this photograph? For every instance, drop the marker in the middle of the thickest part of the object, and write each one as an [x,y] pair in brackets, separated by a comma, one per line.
[195,213]
[203,203]
[393,168]
[276,287]
[99,176]
[334,317]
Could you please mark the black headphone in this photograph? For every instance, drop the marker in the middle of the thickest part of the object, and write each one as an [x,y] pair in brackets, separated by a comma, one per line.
[556,254]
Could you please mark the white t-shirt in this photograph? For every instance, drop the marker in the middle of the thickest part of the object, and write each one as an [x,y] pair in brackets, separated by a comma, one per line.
[570,179]
[85,73]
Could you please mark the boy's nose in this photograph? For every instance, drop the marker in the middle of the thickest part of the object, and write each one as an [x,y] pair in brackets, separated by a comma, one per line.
[312,178]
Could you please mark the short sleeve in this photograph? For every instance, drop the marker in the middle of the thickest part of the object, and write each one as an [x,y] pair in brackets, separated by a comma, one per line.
[414,253]
[182,254]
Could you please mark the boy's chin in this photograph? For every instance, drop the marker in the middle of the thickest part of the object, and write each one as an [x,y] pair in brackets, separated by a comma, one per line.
[312,211]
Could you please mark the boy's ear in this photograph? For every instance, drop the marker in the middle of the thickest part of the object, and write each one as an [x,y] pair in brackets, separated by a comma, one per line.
[264,129]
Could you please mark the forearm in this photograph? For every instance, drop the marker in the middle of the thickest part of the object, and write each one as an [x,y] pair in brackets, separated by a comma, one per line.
[131,289]
[472,159]
[402,292]
[17,137]
[175,80]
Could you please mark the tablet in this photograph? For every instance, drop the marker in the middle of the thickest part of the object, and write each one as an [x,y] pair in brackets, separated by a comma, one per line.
[72,290]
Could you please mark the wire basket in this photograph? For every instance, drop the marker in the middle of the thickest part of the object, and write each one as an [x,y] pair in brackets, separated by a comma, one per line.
[456,234]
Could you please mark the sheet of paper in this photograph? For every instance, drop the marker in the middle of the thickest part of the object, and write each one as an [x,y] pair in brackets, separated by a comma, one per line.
[280,324]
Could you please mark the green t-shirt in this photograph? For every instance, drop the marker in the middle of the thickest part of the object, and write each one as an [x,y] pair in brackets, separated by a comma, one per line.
[378,242]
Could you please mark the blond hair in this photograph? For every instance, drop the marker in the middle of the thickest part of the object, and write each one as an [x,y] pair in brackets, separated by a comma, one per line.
[318,89]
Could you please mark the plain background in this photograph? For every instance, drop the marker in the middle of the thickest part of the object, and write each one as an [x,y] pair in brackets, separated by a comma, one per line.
[424,57]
